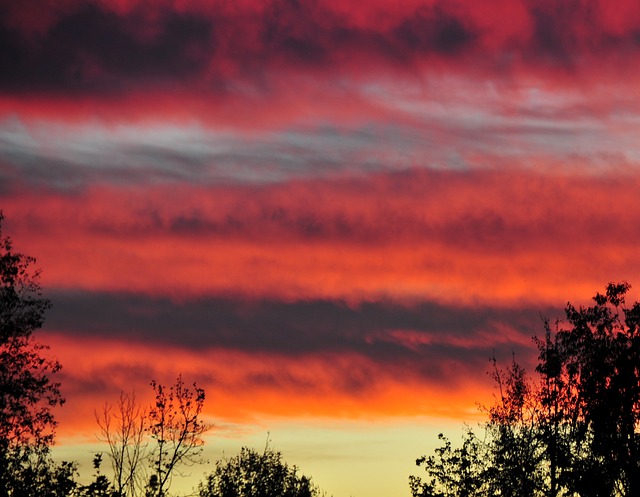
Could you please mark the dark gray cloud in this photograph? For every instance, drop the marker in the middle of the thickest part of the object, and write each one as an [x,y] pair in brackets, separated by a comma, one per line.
[432,30]
[426,335]
[93,49]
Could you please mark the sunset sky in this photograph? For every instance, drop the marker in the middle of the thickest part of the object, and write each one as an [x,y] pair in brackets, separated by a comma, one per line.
[328,213]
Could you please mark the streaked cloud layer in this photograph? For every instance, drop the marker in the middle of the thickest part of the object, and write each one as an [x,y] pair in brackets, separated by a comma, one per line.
[75,46]
[465,236]
[317,209]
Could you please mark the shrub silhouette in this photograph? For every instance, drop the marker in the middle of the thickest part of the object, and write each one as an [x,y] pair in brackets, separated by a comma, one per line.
[254,474]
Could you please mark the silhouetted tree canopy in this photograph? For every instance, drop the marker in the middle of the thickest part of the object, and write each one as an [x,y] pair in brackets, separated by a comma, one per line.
[254,474]
[27,392]
[149,446]
[177,429]
[573,430]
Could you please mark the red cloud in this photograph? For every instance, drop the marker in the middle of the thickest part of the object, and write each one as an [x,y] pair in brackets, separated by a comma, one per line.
[475,235]
[112,50]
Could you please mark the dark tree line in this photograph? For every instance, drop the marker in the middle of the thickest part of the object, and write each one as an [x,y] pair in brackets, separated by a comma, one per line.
[147,446]
[572,430]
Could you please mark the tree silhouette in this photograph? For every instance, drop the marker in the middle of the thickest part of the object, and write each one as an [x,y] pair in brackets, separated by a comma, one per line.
[254,474]
[123,428]
[176,428]
[149,446]
[513,442]
[27,393]
[572,431]
[596,363]
[100,486]
[460,472]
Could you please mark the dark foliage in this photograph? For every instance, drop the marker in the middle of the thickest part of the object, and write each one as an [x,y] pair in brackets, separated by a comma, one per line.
[453,472]
[176,427]
[27,392]
[100,486]
[572,431]
[254,474]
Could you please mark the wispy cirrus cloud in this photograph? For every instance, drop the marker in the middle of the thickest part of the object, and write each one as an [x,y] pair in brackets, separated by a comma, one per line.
[525,129]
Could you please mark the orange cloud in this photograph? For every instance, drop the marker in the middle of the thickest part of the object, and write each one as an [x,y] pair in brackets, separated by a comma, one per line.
[243,387]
